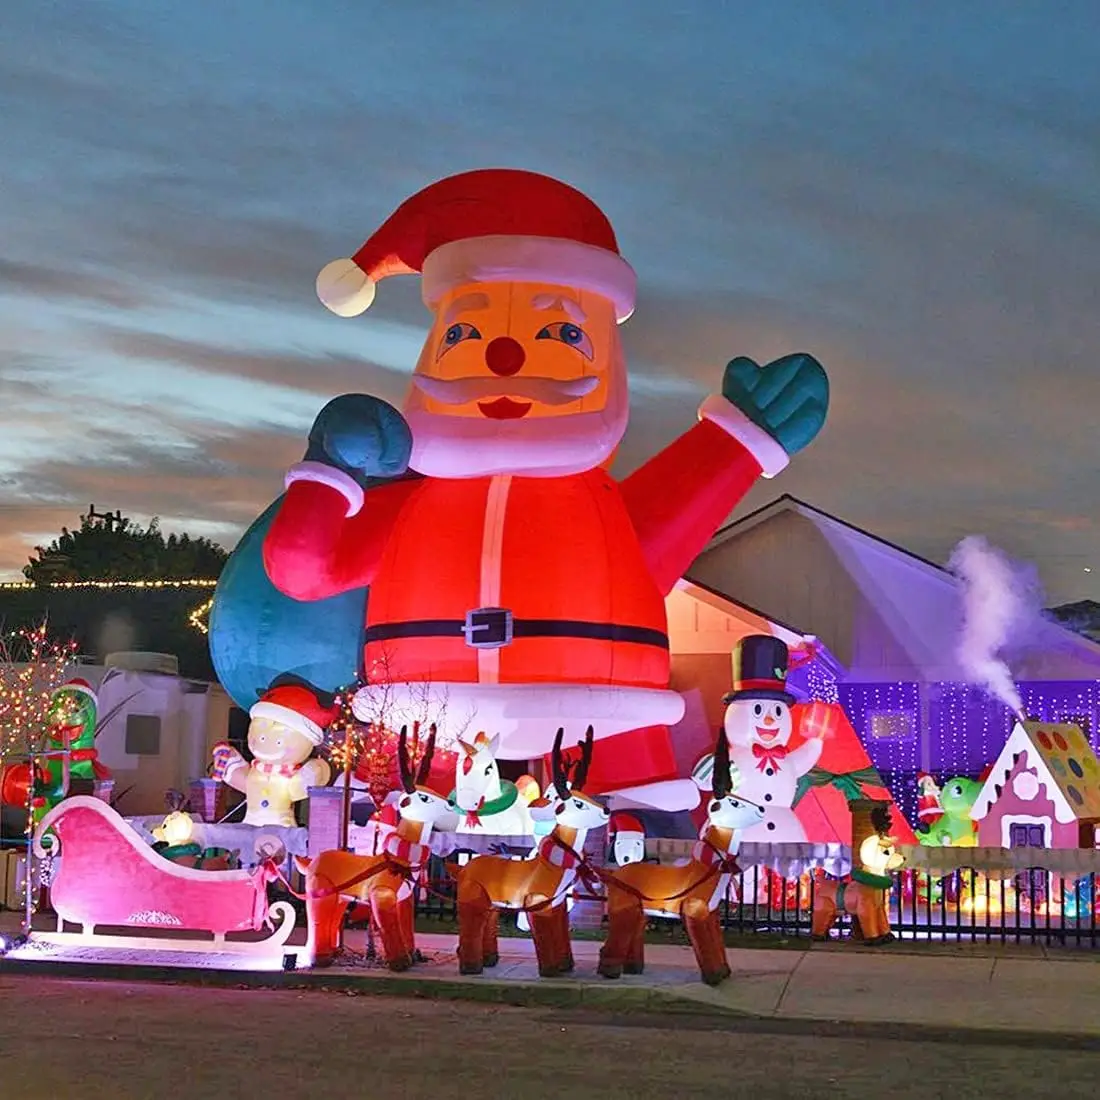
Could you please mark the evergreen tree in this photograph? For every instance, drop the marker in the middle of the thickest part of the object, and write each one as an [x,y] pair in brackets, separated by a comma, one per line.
[109,546]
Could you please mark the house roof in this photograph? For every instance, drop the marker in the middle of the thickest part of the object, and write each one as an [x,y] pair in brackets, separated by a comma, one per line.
[1066,767]
[917,601]
[787,502]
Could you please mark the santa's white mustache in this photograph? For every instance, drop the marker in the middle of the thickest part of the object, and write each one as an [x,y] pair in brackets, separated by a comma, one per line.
[547,391]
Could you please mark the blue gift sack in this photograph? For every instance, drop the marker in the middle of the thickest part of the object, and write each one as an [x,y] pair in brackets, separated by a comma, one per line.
[258,634]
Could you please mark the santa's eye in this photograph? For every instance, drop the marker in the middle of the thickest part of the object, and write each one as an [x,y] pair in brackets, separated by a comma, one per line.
[457,333]
[567,333]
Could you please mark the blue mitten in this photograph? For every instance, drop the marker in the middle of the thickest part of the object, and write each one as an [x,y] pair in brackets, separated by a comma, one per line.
[788,398]
[362,435]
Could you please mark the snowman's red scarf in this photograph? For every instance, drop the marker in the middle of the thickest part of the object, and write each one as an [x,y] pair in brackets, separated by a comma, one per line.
[769,755]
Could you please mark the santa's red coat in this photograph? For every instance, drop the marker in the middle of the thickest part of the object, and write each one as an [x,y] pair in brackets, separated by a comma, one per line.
[581,563]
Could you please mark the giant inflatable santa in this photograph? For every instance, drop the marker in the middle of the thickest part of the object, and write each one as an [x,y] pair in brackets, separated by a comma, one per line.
[510,575]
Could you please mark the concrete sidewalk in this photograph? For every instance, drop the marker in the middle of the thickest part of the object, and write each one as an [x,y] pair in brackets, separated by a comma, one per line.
[970,987]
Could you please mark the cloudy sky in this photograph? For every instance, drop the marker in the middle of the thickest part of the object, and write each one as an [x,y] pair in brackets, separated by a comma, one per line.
[908,191]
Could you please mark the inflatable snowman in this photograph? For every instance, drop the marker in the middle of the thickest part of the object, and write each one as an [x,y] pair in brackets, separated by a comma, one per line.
[758,725]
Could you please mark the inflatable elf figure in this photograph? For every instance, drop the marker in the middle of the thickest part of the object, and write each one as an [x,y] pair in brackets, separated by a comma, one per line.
[72,718]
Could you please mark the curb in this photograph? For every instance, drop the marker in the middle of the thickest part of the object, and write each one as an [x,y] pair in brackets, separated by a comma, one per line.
[545,993]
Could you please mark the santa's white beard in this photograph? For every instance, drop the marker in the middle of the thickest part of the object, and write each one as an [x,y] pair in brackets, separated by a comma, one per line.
[447,446]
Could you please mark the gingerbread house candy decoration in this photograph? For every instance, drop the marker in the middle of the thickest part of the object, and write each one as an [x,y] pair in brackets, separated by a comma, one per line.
[1043,790]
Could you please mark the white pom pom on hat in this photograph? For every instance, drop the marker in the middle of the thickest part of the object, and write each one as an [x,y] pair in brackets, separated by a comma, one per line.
[345,288]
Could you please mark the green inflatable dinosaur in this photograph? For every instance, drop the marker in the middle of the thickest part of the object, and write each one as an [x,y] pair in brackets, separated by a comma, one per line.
[955,828]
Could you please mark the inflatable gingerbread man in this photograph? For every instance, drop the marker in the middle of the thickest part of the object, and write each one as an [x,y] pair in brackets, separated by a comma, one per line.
[286,725]
[510,575]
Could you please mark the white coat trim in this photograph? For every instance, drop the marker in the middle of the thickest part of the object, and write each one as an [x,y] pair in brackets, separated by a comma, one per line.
[767,451]
[321,474]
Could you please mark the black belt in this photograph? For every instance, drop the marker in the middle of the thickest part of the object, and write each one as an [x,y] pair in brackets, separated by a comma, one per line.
[494,627]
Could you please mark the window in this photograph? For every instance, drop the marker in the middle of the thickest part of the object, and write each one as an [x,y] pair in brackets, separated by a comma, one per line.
[1027,836]
[891,725]
[143,734]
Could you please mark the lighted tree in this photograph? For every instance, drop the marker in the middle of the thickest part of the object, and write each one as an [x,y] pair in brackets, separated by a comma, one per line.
[32,667]
[364,745]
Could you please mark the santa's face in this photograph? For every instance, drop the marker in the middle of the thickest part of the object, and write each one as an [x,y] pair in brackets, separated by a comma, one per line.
[764,722]
[521,378]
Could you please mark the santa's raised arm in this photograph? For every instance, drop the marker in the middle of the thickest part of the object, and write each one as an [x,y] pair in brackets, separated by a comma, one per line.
[510,575]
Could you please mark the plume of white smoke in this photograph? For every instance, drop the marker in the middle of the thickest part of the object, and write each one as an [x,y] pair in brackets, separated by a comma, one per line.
[999,600]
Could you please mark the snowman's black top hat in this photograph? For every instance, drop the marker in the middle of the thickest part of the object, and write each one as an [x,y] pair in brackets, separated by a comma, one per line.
[760,670]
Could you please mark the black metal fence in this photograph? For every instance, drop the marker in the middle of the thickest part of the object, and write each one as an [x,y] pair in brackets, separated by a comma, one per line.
[969,905]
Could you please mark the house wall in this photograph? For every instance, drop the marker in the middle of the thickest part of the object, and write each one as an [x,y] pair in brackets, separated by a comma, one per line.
[786,568]
[702,679]
[960,728]
[845,589]
[704,630]
[190,722]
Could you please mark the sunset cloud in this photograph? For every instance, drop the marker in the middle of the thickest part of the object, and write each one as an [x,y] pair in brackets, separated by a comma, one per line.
[908,194]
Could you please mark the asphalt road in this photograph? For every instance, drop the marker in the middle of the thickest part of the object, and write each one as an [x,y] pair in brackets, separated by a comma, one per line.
[65,1040]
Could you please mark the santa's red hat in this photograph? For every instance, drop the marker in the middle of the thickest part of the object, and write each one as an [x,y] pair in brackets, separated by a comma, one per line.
[81,686]
[296,708]
[624,824]
[491,225]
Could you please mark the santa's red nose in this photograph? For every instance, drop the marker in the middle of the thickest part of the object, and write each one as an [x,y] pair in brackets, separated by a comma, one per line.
[504,356]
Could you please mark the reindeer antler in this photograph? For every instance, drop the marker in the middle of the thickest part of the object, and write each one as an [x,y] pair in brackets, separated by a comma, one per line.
[405,768]
[581,774]
[880,819]
[561,782]
[720,784]
[426,759]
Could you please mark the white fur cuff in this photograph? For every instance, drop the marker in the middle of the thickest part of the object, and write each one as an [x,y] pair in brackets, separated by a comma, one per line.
[321,474]
[767,452]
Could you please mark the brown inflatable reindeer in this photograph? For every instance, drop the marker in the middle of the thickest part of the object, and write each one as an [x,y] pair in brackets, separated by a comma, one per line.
[536,886]
[866,894]
[383,882]
[690,890]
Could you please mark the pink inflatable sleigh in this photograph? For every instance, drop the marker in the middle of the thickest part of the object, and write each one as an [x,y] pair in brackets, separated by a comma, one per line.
[107,875]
